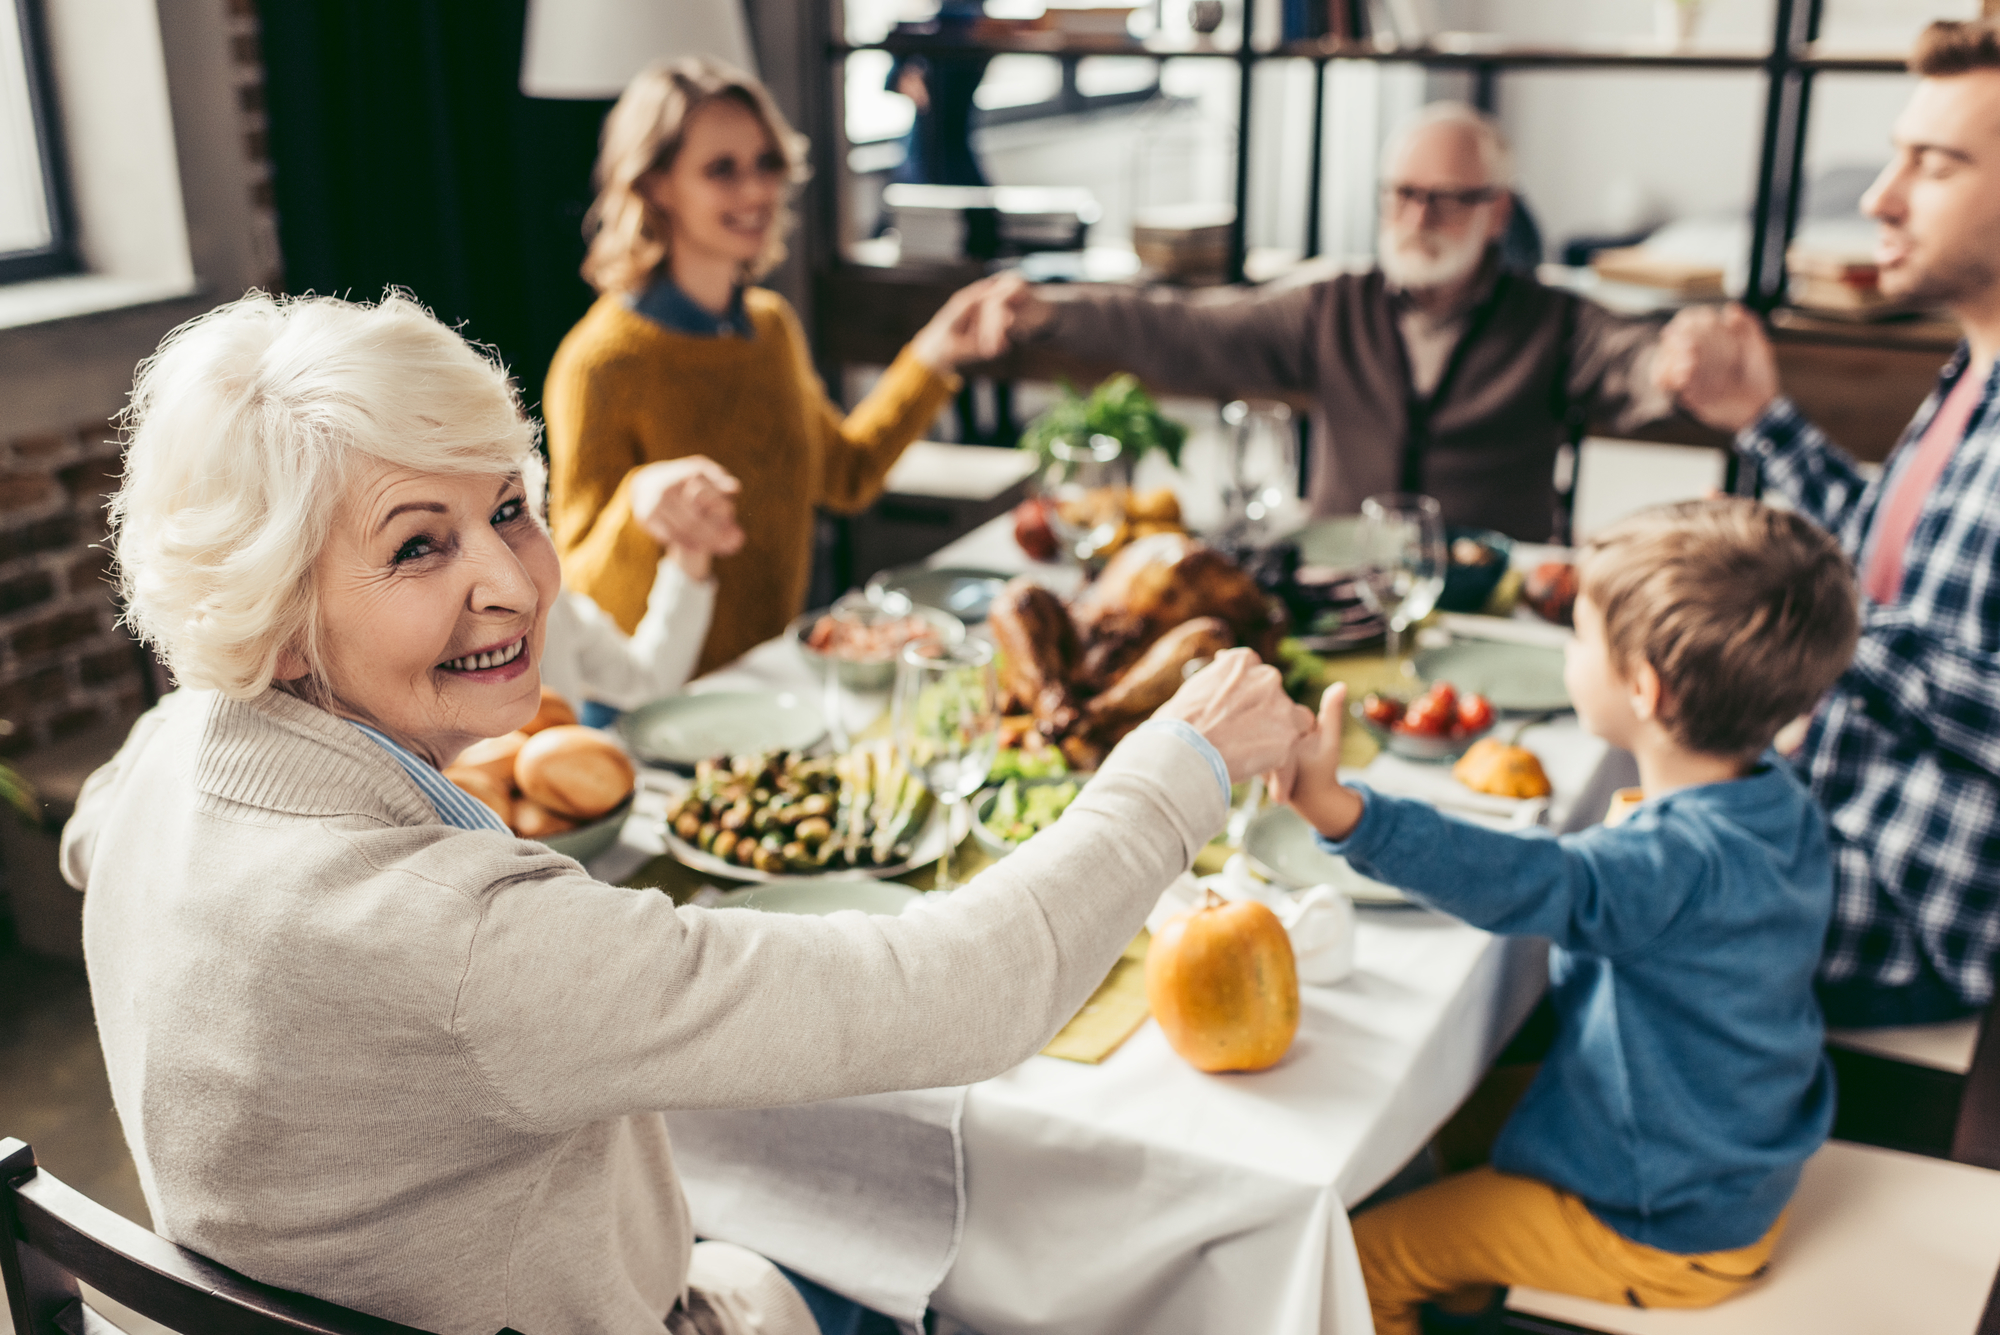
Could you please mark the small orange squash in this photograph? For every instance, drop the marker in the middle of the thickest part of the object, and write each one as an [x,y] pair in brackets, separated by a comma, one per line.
[1221,982]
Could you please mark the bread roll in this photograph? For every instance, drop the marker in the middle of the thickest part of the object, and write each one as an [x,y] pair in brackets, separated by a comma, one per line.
[496,791]
[494,756]
[532,820]
[573,771]
[554,713]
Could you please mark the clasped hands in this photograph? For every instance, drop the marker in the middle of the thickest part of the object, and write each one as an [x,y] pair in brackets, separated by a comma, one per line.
[1239,704]
[688,506]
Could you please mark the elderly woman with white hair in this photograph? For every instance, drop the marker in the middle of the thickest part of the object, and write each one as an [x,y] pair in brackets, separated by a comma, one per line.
[381,1051]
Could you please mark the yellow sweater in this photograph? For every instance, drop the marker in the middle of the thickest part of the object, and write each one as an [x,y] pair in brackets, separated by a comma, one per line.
[624,391]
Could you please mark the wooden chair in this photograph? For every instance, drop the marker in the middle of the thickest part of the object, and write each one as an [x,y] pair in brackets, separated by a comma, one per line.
[1879,1241]
[52,1238]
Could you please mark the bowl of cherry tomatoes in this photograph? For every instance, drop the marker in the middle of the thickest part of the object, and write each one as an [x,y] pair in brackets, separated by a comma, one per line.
[1437,725]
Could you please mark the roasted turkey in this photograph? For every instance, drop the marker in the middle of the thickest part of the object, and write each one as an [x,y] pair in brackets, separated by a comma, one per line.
[1154,585]
[1091,672]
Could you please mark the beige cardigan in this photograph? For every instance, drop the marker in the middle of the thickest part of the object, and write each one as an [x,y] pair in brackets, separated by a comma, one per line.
[418,1070]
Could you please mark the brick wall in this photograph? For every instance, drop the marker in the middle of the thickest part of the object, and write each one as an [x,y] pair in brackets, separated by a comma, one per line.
[64,664]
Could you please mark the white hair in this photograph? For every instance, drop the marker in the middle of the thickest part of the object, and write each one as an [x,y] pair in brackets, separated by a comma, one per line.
[1485,131]
[243,434]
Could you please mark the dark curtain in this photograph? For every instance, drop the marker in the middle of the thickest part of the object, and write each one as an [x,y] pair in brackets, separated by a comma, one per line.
[404,153]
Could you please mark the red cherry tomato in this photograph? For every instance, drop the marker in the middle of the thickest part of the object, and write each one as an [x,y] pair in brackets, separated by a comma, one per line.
[1475,713]
[1380,710]
[1431,715]
[1445,694]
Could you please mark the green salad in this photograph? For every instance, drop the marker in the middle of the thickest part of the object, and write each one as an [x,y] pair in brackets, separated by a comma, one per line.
[1015,763]
[1023,809]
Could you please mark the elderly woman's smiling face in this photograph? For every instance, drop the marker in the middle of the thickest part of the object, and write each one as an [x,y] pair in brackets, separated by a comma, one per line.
[434,595]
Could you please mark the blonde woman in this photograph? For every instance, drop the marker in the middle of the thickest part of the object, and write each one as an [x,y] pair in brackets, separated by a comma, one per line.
[682,355]
[368,1045]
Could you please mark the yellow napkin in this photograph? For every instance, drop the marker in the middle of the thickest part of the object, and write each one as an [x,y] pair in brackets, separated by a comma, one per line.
[1113,1014]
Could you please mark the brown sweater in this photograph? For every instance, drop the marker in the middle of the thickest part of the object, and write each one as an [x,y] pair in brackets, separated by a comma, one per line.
[1483,440]
[624,391]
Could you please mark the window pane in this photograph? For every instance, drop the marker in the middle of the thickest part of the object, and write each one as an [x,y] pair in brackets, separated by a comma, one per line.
[24,211]
[1019,81]
[1097,75]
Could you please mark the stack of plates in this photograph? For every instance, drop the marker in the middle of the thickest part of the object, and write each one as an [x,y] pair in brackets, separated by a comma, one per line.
[1326,582]
[1341,619]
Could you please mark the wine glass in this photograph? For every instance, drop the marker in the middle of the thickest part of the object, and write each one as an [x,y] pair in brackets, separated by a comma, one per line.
[1086,486]
[947,723]
[1403,560]
[1262,491]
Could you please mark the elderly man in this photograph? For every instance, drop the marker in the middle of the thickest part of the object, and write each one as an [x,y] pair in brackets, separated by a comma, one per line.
[1436,371]
[1905,752]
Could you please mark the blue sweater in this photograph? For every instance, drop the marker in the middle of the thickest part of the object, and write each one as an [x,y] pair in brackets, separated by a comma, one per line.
[1687,1084]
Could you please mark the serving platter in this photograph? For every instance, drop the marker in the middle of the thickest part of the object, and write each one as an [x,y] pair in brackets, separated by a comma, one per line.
[929,848]
[684,729]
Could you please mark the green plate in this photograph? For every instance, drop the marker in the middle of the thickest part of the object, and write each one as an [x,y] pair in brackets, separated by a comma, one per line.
[587,841]
[963,591]
[1330,542]
[683,729]
[823,894]
[1517,678]
[1285,851]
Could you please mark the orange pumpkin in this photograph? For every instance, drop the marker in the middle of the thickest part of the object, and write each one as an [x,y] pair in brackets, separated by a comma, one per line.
[1222,984]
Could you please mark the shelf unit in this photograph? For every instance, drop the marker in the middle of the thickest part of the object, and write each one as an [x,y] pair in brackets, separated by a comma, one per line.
[1789,65]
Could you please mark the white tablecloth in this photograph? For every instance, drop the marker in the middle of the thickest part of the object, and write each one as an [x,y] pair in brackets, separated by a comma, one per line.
[1140,1194]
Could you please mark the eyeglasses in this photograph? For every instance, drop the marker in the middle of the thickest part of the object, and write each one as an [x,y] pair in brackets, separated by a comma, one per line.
[1449,204]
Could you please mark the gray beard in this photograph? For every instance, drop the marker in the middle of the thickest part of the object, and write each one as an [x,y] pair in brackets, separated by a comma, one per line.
[1411,268]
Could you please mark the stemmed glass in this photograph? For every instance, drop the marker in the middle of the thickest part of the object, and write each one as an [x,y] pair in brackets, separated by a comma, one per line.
[1403,560]
[1086,486]
[947,723]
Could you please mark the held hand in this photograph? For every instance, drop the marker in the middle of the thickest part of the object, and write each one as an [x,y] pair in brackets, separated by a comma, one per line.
[1309,781]
[688,506]
[1717,362]
[963,330]
[1239,704]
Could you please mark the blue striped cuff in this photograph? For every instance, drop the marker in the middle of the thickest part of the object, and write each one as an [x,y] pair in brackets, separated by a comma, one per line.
[1201,744]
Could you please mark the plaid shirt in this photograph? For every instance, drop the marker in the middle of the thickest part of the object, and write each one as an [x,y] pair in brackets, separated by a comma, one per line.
[1904,751]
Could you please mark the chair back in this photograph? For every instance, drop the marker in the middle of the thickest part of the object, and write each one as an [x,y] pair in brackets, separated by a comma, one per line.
[52,1238]
[1975,1137]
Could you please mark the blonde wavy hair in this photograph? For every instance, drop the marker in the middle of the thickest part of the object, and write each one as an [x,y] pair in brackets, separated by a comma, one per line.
[629,237]
[245,430]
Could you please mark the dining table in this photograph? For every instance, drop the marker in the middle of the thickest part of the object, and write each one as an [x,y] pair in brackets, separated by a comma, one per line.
[1136,1193]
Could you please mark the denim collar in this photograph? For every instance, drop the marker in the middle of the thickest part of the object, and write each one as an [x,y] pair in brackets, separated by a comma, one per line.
[666,305]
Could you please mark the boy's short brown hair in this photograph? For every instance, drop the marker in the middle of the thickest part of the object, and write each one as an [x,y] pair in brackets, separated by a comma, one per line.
[1946,48]
[1746,613]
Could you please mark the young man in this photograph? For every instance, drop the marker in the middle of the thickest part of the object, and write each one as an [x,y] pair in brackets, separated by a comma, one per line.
[1905,754]
[1437,371]
[1653,1156]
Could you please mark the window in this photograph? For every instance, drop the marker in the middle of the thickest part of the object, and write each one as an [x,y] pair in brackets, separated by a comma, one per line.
[34,234]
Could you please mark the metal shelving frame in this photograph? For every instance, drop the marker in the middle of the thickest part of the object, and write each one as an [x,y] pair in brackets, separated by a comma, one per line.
[1789,65]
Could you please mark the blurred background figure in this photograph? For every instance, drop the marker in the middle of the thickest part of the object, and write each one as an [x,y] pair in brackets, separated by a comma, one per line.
[940,85]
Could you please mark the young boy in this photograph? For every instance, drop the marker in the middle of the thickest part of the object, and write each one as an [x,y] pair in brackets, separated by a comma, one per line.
[1652,1158]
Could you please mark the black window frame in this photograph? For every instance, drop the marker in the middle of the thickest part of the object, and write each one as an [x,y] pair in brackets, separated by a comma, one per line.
[59,256]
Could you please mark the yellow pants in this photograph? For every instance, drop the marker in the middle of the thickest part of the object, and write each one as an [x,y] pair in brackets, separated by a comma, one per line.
[1456,1239]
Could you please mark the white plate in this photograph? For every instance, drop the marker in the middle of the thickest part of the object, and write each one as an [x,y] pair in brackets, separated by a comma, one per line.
[823,894]
[929,848]
[1283,849]
[684,729]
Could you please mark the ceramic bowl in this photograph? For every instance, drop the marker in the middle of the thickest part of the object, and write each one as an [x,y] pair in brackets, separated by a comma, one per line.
[870,674]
